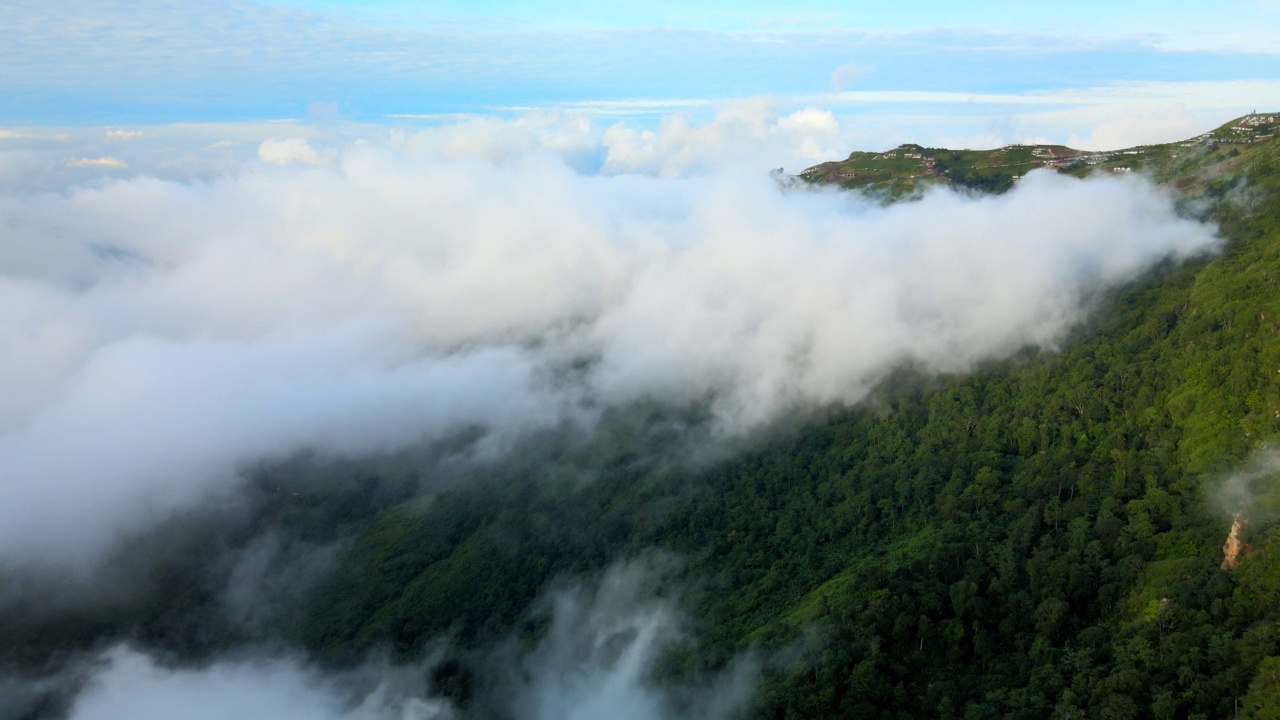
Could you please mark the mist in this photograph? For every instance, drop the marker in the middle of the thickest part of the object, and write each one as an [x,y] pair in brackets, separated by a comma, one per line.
[597,658]
[162,336]
[1252,491]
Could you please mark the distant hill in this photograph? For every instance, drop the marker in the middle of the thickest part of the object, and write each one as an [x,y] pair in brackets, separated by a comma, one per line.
[910,168]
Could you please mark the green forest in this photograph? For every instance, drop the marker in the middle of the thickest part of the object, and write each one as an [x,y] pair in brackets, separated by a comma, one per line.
[1036,539]
[1041,537]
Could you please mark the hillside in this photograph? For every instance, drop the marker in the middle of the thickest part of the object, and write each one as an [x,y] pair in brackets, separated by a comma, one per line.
[1037,539]
[1042,537]
[910,168]
[1034,539]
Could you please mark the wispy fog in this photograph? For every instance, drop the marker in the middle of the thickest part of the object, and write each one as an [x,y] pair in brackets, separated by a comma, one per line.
[597,659]
[1253,491]
[599,656]
[133,685]
[159,336]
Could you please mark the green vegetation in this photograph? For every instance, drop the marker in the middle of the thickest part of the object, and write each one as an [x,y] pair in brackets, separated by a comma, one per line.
[909,169]
[1030,540]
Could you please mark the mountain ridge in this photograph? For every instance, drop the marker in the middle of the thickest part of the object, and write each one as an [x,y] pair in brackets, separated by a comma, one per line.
[909,168]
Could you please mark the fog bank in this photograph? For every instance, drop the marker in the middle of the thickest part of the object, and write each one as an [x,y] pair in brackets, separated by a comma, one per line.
[161,336]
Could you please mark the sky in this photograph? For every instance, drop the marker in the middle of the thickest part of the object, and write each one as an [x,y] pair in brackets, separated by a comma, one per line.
[1172,25]
[974,73]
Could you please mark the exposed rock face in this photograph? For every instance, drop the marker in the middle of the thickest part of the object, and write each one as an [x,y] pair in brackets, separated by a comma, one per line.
[1231,548]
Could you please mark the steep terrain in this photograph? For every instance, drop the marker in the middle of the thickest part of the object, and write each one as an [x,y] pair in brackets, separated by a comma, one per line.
[1038,538]
[1042,537]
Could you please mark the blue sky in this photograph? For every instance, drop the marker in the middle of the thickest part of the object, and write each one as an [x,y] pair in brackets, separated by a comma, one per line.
[955,72]
[1170,23]
[104,61]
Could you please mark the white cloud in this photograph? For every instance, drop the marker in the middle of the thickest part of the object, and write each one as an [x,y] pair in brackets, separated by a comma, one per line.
[599,653]
[165,334]
[98,162]
[124,135]
[134,686]
[1168,125]
[846,75]
[746,135]
[289,151]
[567,133]
[6,134]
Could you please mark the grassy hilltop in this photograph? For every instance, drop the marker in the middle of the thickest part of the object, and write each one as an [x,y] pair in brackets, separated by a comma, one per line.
[1034,539]
[909,168]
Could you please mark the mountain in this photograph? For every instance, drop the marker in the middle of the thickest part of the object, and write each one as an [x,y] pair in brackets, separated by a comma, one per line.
[911,168]
[1041,537]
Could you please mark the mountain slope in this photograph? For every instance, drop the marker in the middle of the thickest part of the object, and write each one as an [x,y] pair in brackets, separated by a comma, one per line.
[1033,539]
[1040,537]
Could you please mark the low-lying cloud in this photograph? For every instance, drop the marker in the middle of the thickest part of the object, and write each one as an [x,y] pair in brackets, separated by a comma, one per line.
[597,659]
[749,134]
[159,336]
[133,685]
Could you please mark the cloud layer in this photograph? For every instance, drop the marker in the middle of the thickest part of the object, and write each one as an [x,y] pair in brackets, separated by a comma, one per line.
[162,335]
